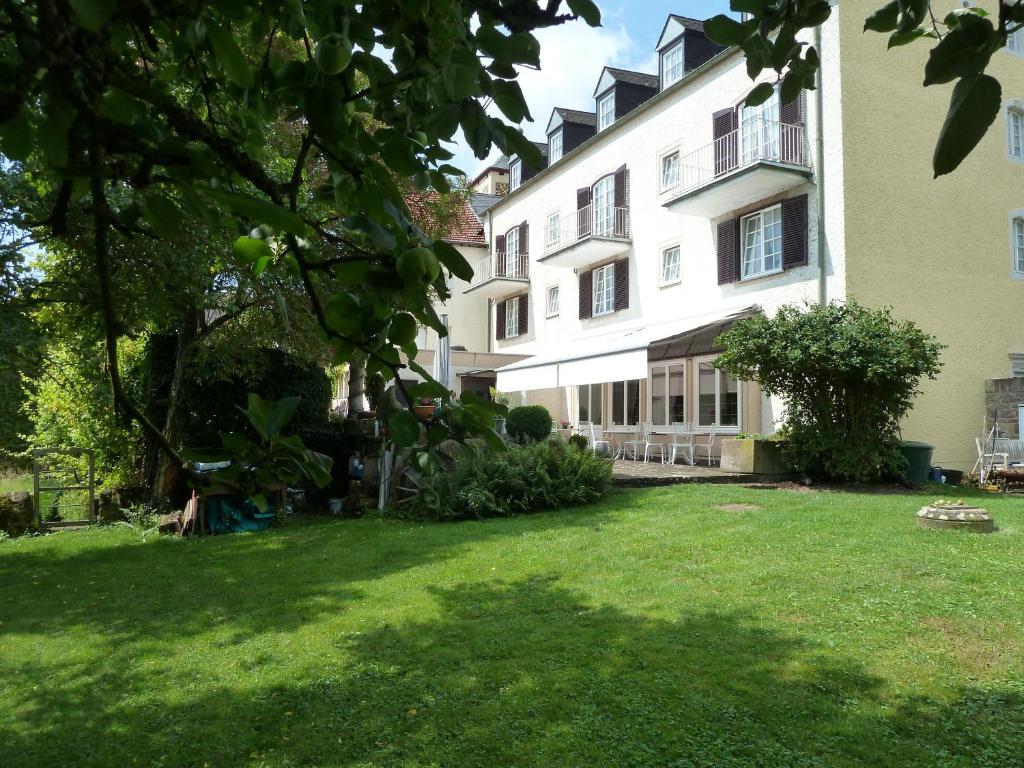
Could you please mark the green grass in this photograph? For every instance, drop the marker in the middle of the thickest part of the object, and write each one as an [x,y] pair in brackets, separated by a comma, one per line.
[817,629]
[13,483]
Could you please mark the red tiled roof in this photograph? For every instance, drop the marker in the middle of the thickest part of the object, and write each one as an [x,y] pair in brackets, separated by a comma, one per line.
[464,229]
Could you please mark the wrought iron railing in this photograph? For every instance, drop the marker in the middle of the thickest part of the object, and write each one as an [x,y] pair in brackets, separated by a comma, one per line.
[590,221]
[501,264]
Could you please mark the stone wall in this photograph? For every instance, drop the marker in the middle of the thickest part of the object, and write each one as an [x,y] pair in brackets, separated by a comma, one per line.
[1002,396]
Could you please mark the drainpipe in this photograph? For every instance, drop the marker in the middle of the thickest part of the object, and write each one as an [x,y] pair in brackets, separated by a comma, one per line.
[819,111]
[490,241]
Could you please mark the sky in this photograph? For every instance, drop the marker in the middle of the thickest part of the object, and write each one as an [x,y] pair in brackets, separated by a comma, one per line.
[572,55]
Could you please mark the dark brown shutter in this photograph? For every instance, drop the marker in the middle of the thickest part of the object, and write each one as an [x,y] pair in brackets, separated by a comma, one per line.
[586,295]
[583,217]
[619,184]
[620,195]
[524,314]
[499,255]
[791,139]
[794,232]
[499,322]
[724,124]
[524,249]
[621,284]
[728,251]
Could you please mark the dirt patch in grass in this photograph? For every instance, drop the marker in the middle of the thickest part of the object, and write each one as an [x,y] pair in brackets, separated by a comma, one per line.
[789,485]
[786,485]
[737,507]
[979,647]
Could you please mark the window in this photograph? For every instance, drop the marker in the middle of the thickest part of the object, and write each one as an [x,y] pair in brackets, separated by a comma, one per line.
[672,65]
[552,300]
[512,317]
[762,243]
[606,111]
[515,174]
[626,403]
[551,231]
[670,265]
[604,206]
[604,290]
[1015,42]
[512,252]
[1015,131]
[1017,238]
[590,402]
[718,397]
[668,394]
[669,171]
[1016,365]
[555,147]
[759,131]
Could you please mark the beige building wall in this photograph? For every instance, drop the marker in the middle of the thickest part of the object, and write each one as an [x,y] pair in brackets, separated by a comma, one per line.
[936,250]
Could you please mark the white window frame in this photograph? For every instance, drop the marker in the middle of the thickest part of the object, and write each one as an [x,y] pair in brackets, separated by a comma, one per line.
[1015,43]
[604,290]
[515,174]
[602,206]
[664,278]
[668,173]
[672,73]
[553,229]
[512,317]
[759,131]
[1015,130]
[512,251]
[667,365]
[610,395]
[694,405]
[1017,244]
[606,110]
[758,219]
[553,300]
[591,388]
[555,147]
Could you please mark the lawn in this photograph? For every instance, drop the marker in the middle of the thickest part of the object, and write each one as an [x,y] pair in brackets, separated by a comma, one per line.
[13,483]
[654,629]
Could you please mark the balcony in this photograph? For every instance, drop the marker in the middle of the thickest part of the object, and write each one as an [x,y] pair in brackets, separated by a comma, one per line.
[499,275]
[761,159]
[588,235]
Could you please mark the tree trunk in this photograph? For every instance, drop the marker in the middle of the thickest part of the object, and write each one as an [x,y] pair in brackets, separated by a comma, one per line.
[169,481]
[356,385]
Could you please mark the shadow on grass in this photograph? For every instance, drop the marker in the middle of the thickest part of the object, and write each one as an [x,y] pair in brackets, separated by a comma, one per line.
[521,674]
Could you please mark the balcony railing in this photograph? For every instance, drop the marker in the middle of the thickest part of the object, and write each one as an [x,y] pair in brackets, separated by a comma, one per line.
[602,221]
[755,141]
[501,265]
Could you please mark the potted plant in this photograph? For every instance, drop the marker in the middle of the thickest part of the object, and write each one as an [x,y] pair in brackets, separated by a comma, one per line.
[754,455]
[564,429]
[424,408]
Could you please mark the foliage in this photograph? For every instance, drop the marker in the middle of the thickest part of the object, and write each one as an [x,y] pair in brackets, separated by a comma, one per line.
[965,40]
[847,374]
[374,390]
[274,458]
[501,398]
[484,483]
[580,442]
[529,422]
[298,127]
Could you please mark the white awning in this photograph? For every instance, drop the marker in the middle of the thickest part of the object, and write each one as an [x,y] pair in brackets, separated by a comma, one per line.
[598,359]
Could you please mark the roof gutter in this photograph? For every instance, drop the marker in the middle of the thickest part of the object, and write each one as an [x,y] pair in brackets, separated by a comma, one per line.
[819,113]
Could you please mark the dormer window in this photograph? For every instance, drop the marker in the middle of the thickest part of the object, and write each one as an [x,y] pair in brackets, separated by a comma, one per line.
[606,111]
[515,174]
[555,147]
[672,65]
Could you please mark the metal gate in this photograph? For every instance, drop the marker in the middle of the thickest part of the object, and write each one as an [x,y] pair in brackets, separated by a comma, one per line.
[64,486]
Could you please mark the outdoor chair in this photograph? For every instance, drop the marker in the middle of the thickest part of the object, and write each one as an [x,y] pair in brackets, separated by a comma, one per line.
[597,440]
[631,443]
[680,443]
[989,460]
[707,444]
[649,444]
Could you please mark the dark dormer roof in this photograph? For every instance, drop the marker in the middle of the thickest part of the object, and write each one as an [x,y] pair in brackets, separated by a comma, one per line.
[480,202]
[674,27]
[576,116]
[695,24]
[633,78]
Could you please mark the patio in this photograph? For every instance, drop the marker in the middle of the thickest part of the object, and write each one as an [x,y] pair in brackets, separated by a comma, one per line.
[639,474]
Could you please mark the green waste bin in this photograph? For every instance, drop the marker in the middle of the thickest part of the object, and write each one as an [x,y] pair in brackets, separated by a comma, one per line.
[919,460]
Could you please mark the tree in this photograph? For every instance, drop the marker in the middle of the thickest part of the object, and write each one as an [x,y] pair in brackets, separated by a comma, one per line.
[144,118]
[847,374]
[965,41]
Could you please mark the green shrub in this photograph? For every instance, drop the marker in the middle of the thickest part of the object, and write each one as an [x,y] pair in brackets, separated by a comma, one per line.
[528,422]
[848,375]
[579,441]
[527,478]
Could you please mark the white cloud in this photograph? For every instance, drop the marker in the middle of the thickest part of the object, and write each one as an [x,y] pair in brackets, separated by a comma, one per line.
[571,56]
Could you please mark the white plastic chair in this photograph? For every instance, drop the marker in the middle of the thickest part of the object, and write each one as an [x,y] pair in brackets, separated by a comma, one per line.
[650,445]
[597,440]
[990,460]
[681,442]
[631,443]
[707,444]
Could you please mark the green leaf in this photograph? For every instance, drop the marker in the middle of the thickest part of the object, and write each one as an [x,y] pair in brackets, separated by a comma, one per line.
[260,211]
[93,14]
[509,98]
[269,417]
[586,10]
[163,215]
[16,137]
[972,110]
[118,106]
[452,260]
[884,19]
[403,427]
[725,30]
[230,56]
[963,52]
[250,250]
[759,95]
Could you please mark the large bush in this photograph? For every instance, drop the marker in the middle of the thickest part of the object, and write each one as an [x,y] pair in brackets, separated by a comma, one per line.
[529,422]
[847,374]
[527,478]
